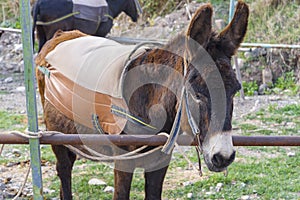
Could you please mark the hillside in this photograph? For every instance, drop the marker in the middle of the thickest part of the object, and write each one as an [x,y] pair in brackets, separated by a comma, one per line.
[271,21]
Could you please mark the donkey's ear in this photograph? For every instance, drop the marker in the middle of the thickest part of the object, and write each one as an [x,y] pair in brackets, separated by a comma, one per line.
[200,25]
[232,36]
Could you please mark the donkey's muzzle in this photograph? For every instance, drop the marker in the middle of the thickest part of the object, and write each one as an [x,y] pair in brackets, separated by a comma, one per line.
[220,161]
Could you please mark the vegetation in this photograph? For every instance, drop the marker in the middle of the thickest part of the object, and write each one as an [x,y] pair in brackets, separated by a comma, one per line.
[250,88]
[9,121]
[10,15]
[286,84]
[258,172]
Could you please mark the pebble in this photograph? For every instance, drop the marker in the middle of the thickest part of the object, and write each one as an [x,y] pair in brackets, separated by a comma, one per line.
[48,191]
[19,89]
[219,187]
[109,189]
[18,48]
[189,195]
[245,197]
[187,183]
[8,80]
[16,152]
[95,181]
[291,154]
[209,193]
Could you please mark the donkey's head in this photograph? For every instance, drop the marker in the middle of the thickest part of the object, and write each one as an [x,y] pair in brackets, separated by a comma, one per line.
[211,82]
[130,7]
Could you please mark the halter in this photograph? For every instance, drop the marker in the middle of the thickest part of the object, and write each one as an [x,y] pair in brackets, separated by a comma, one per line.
[194,127]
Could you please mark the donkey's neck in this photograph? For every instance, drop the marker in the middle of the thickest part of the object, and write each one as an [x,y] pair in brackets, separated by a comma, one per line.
[116,7]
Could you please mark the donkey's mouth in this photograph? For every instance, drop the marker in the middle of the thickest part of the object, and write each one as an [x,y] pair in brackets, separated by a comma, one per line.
[217,162]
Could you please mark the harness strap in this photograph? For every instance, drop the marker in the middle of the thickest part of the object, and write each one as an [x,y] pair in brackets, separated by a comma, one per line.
[96,124]
[44,70]
[57,20]
[168,147]
[191,120]
[125,114]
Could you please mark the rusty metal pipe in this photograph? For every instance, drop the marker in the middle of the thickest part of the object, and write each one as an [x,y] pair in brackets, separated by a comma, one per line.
[59,139]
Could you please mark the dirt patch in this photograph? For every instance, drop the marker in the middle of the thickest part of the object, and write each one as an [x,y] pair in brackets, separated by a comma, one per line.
[12,90]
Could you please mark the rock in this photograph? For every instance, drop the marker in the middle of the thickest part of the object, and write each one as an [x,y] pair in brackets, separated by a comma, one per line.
[240,63]
[189,195]
[95,181]
[209,193]
[262,88]
[219,187]
[16,152]
[291,154]
[109,189]
[8,80]
[187,183]
[267,76]
[247,55]
[48,191]
[19,89]
[255,53]
[243,184]
[18,48]
[245,197]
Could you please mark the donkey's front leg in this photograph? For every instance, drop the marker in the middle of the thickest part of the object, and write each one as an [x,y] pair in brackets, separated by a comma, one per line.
[65,160]
[123,173]
[154,183]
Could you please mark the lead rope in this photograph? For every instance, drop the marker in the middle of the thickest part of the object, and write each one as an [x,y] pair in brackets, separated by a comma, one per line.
[185,156]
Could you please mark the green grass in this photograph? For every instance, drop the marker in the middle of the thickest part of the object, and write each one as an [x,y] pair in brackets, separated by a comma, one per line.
[279,22]
[9,121]
[274,120]
[268,178]
[259,172]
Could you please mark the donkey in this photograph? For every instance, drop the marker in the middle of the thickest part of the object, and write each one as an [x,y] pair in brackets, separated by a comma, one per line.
[50,10]
[199,76]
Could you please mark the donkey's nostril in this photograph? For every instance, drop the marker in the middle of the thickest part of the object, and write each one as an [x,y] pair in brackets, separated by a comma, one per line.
[217,160]
[232,157]
[221,161]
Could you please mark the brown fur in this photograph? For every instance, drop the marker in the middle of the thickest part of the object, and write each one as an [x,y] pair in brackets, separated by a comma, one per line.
[220,47]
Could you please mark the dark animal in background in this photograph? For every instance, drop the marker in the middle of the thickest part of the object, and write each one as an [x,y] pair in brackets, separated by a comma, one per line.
[218,150]
[50,10]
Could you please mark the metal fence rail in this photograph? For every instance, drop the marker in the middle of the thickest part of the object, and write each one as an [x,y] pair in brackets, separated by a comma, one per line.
[128,40]
[154,140]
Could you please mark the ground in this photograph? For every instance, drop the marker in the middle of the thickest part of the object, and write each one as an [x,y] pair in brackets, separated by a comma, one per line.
[12,97]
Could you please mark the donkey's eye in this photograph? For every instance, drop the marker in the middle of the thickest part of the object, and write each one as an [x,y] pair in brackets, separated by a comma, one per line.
[198,96]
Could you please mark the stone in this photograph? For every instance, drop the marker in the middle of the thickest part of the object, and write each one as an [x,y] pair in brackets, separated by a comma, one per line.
[219,187]
[19,89]
[267,76]
[16,152]
[262,89]
[189,195]
[109,189]
[187,183]
[48,191]
[291,154]
[240,63]
[245,197]
[8,80]
[95,181]
[18,47]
